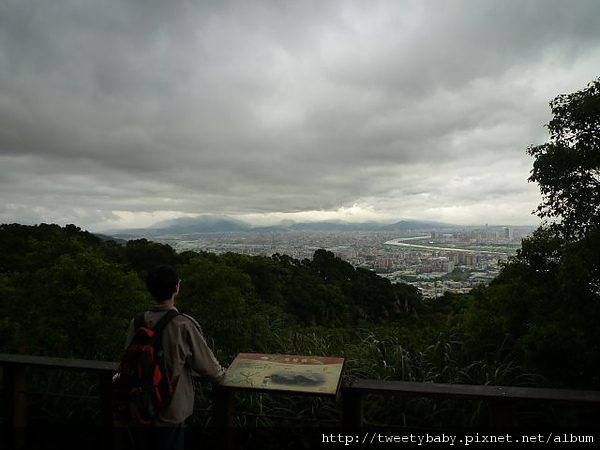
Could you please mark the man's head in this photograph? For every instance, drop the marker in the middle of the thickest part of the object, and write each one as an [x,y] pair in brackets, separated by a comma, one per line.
[162,282]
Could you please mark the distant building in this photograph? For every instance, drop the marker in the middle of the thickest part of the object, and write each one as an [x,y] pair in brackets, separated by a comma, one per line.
[464,259]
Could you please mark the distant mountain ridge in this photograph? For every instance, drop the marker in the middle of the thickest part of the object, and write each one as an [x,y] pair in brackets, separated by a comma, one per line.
[226,224]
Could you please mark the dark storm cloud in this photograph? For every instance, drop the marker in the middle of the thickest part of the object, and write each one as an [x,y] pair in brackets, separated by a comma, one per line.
[260,106]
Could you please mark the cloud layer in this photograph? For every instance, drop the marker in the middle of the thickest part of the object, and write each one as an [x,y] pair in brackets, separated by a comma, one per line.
[129,112]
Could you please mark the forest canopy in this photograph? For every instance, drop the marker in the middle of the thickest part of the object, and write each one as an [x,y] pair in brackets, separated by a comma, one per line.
[66,292]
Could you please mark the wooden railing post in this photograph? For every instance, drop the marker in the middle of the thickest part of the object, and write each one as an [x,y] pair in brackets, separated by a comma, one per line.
[109,419]
[105,388]
[17,384]
[351,409]
[15,406]
[224,416]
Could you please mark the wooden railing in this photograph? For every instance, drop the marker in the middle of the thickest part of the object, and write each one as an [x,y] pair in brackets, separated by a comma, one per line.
[502,399]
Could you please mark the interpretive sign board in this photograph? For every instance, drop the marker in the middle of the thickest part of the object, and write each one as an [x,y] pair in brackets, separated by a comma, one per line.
[291,373]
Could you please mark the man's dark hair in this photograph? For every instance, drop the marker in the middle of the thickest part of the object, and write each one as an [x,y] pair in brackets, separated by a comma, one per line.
[162,282]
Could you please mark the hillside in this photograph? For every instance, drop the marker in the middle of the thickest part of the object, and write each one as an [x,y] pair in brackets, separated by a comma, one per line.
[75,293]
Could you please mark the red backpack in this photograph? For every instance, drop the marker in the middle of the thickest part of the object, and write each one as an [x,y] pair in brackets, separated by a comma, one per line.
[143,388]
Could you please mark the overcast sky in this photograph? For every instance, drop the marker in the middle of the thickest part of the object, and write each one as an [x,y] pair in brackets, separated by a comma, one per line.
[120,113]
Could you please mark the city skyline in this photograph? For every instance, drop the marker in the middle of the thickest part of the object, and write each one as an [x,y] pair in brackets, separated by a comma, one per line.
[120,114]
[424,258]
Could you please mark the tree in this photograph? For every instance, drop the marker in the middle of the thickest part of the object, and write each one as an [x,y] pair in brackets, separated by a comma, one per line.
[61,295]
[567,169]
[218,294]
[545,304]
[143,255]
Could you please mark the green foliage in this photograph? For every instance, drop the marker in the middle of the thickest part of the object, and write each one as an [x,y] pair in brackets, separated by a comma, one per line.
[458,274]
[544,306]
[567,169]
[61,297]
[67,293]
[143,255]
[220,297]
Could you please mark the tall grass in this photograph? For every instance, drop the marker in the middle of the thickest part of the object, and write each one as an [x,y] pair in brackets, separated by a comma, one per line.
[388,352]
[385,352]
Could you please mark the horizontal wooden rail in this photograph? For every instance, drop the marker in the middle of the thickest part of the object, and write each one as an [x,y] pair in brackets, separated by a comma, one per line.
[468,391]
[503,399]
[82,365]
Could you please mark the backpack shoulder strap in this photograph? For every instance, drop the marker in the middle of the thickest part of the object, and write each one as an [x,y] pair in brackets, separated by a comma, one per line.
[164,320]
[139,321]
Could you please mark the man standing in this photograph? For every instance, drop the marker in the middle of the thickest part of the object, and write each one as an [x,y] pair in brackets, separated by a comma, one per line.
[187,356]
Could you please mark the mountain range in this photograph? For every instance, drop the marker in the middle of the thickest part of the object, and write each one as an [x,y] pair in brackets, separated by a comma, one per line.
[225,224]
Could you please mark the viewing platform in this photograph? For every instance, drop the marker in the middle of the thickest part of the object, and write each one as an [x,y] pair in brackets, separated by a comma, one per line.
[352,393]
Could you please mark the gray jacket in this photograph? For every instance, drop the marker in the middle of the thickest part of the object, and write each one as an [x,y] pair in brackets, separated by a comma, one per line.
[187,356]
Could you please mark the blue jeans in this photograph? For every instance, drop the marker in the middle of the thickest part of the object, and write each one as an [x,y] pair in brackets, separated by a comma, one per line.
[159,438]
